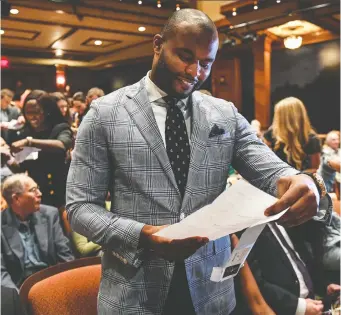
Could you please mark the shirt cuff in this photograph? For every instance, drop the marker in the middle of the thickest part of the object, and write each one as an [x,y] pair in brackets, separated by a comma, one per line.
[301,307]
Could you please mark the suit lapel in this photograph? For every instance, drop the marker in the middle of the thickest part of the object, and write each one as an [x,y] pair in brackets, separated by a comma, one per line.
[41,232]
[199,136]
[141,112]
[276,245]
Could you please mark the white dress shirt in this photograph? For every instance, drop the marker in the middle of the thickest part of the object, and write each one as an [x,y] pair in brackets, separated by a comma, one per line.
[301,305]
[159,107]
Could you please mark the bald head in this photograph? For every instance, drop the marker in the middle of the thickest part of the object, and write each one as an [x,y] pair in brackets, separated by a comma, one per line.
[189,18]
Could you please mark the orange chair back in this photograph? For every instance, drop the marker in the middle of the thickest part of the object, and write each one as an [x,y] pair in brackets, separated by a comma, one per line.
[65,289]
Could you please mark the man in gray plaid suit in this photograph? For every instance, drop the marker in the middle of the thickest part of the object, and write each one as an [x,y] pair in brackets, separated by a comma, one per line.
[122,147]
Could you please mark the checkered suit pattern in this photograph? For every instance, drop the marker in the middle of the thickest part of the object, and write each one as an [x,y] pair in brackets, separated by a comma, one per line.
[119,148]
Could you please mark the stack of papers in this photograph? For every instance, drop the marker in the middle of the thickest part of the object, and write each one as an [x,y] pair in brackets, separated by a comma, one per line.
[239,207]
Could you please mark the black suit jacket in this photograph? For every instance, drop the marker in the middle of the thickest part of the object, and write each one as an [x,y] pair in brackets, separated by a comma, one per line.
[10,302]
[274,273]
[53,245]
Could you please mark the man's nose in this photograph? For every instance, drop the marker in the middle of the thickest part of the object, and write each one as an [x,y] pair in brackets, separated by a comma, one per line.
[194,69]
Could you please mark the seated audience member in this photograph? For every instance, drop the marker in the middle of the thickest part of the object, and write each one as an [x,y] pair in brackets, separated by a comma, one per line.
[8,112]
[47,130]
[331,249]
[31,235]
[79,107]
[10,302]
[63,105]
[248,296]
[291,136]
[93,94]
[287,265]
[330,163]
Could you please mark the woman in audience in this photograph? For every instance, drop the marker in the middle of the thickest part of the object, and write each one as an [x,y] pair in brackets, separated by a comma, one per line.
[291,136]
[47,130]
[63,106]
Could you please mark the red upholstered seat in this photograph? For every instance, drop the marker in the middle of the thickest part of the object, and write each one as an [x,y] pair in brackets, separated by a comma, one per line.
[62,290]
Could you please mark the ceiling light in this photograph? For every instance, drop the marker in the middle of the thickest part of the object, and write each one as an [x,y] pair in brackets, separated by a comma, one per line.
[141,29]
[177,7]
[278,1]
[98,42]
[159,4]
[293,42]
[14,11]
[234,13]
[59,53]
[255,7]
[60,11]
[2,32]
[140,2]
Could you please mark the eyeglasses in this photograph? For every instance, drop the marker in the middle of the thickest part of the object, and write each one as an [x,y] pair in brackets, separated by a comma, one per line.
[34,190]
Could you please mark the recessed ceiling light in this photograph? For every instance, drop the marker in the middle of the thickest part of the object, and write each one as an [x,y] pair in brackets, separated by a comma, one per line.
[14,11]
[60,11]
[59,53]
[177,7]
[159,4]
[140,2]
[255,7]
[278,1]
[234,13]
[98,42]
[141,29]
[2,32]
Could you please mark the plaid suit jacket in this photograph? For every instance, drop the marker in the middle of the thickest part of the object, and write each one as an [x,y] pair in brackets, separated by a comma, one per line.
[119,148]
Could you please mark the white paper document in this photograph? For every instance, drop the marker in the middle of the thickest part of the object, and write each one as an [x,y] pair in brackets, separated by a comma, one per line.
[12,125]
[239,207]
[27,153]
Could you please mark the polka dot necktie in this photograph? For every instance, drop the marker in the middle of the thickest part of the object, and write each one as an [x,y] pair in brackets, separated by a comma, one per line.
[177,143]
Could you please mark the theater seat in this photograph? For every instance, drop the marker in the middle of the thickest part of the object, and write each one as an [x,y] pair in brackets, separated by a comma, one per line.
[64,289]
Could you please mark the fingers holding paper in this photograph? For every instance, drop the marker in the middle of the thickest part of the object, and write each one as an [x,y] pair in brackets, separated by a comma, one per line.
[170,249]
[300,195]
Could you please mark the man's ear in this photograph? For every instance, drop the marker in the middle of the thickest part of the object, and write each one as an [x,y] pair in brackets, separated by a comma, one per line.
[15,197]
[157,43]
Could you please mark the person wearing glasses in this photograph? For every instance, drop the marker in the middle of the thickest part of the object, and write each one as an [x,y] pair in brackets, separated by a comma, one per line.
[31,235]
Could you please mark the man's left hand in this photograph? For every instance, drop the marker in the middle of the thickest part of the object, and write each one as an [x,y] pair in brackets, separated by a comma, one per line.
[298,193]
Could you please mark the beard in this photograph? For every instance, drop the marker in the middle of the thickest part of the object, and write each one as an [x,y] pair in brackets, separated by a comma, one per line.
[165,79]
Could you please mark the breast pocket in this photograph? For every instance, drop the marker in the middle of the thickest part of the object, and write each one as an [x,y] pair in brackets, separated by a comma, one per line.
[220,148]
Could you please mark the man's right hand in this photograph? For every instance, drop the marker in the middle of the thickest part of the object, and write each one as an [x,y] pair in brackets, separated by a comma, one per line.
[169,249]
[313,307]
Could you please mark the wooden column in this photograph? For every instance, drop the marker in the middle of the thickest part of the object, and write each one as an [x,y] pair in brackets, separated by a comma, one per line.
[226,80]
[262,80]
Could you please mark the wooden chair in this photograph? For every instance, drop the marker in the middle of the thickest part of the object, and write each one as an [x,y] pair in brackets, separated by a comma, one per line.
[63,289]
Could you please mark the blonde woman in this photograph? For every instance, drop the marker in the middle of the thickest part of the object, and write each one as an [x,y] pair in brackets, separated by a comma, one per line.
[291,136]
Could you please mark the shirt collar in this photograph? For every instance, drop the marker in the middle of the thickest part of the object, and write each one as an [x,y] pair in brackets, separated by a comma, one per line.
[155,93]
